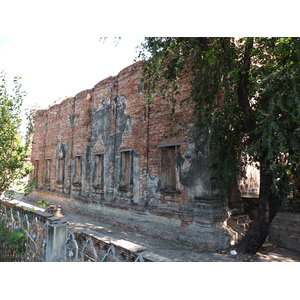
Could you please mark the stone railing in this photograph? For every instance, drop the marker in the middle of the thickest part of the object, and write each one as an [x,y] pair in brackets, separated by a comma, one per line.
[49,239]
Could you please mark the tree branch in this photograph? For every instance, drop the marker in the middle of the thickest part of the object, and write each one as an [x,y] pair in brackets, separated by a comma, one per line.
[243,90]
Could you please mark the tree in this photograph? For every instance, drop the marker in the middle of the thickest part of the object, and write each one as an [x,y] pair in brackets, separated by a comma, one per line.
[14,150]
[247,99]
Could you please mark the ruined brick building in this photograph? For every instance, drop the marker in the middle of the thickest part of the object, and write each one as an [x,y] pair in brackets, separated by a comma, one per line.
[130,163]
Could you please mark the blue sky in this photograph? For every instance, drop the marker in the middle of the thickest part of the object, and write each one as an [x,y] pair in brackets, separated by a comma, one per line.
[58,66]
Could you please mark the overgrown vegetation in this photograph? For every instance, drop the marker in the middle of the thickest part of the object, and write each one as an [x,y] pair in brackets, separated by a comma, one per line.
[12,243]
[247,98]
[14,164]
[14,149]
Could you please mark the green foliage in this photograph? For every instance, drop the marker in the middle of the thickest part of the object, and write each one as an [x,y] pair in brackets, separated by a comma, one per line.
[25,187]
[12,243]
[277,110]
[14,151]
[247,97]
[43,203]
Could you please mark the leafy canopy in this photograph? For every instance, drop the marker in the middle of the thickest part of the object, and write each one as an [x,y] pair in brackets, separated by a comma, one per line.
[246,93]
[14,151]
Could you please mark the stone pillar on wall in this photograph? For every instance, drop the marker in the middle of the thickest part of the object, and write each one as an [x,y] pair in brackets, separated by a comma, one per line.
[56,242]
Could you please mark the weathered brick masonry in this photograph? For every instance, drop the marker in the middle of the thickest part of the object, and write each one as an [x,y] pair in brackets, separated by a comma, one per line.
[130,163]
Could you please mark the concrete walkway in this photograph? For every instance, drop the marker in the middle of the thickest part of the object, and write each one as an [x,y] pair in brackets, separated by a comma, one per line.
[157,249]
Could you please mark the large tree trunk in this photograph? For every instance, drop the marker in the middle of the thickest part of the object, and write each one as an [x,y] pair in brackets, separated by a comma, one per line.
[268,203]
[268,207]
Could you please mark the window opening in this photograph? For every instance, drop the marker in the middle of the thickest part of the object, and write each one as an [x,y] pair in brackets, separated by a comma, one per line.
[61,170]
[168,168]
[78,167]
[126,181]
[98,172]
[36,173]
[48,170]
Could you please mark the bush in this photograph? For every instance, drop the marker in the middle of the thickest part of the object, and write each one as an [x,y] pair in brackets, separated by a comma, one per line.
[12,244]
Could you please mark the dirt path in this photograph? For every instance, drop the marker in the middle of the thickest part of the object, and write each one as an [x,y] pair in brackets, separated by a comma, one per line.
[162,250]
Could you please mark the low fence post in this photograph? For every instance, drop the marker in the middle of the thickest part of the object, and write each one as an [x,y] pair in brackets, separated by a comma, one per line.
[57,234]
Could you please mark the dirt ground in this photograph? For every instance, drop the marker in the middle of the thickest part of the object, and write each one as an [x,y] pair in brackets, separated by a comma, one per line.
[162,250]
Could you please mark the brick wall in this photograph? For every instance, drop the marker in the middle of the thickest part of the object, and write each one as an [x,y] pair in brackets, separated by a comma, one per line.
[104,147]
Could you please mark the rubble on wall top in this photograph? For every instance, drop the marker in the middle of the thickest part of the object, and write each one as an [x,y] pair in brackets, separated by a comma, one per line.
[84,93]
[59,101]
